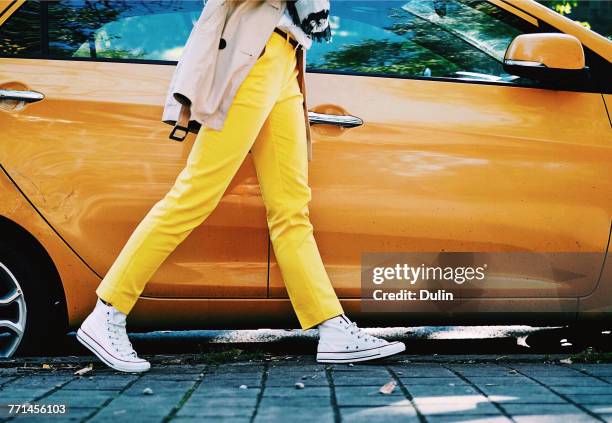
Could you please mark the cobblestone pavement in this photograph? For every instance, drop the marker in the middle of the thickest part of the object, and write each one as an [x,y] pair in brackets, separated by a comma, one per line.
[187,388]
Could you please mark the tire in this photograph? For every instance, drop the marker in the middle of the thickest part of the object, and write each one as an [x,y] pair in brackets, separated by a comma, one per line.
[30,299]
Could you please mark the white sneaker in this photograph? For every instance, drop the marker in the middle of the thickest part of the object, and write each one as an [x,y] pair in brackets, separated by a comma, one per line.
[341,341]
[103,332]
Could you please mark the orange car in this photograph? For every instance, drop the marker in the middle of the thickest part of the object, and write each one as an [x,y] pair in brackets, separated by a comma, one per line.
[438,126]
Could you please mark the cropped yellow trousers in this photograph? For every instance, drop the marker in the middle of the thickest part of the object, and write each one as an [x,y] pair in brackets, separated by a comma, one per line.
[266,117]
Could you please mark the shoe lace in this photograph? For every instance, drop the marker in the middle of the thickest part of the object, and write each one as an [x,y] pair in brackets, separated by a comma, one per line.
[120,340]
[361,334]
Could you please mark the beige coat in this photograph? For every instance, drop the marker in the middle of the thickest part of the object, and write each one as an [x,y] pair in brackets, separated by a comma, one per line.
[207,76]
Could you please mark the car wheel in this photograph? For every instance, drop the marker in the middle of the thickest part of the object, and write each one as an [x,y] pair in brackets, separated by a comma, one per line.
[29,322]
[13,312]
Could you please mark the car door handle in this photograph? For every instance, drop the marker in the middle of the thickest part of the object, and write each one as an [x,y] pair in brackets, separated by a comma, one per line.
[21,95]
[344,121]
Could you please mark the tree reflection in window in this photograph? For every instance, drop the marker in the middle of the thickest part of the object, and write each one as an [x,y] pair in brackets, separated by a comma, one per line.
[463,39]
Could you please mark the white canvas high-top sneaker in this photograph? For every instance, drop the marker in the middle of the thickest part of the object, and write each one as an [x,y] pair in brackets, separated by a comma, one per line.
[341,341]
[103,333]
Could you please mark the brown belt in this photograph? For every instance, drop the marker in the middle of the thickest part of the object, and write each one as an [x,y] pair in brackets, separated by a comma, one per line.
[292,40]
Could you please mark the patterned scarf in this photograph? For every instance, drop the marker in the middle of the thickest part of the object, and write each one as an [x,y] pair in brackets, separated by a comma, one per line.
[312,17]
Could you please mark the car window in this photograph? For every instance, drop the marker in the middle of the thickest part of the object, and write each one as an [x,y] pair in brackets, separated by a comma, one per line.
[123,29]
[458,39]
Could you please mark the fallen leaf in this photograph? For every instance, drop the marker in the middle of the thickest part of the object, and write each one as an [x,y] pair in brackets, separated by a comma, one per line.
[84,370]
[388,388]
[46,366]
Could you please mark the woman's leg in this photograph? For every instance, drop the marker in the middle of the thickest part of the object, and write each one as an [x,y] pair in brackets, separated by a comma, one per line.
[282,169]
[214,159]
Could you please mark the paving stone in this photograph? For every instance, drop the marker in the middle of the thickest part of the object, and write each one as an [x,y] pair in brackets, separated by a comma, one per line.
[186,369]
[421,371]
[295,414]
[600,408]
[106,382]
[480,370]
[84,398]
[231,382]
[359,367]
[235,410]
[279,379]
[39,382]
[602,369]
[225,419]
[572,381]
[160,387]
[502,381]
[364,391]
[528,398]
[468,418]
[292,392]
[555,418]
[539,409]
[433,381]
[438,393]
[470,404]
[301,367]
[23,394]
[306,402]
[214,392]
[371,401]
[403,414]
[442,390]
[547,369]
[514,389]
[589,390]
[591,399]
[351,380]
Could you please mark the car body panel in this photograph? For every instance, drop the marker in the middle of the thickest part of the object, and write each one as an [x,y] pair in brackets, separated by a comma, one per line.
[449,166]
[597,305]
[102,143]
[608,102]
[78,279]
[105,159]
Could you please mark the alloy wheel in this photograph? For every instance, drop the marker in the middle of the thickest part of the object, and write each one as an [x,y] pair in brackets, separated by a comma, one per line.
[13,312]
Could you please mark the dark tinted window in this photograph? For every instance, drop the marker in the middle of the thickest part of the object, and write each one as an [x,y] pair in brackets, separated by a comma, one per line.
[21,34]
[125,29]
[460,39]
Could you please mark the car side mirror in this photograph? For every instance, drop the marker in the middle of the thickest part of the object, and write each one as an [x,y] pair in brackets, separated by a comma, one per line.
[546,57]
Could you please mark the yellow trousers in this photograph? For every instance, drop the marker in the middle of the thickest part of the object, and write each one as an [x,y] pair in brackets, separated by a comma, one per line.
[267,118]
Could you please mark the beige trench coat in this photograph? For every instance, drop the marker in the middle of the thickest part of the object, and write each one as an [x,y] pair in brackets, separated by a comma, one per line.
[210,71]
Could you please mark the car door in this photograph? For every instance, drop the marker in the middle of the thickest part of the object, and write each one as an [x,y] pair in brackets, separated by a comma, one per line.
[83,139]
[454,157]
